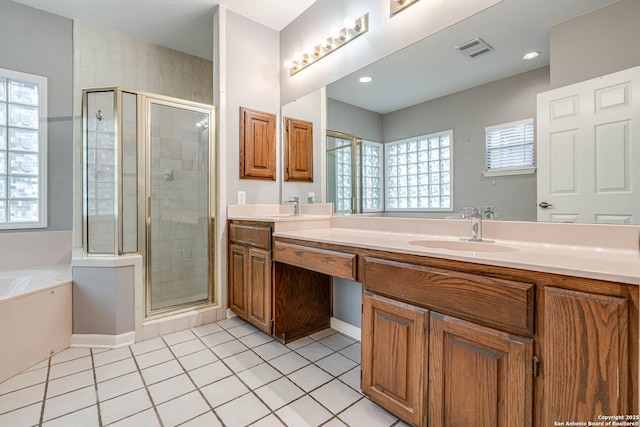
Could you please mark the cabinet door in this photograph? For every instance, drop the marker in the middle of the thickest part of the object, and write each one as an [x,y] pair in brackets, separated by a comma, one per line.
[393,356]
[260,289]
[585,364]
[478,376]
[238,280]
[257,145]
[298,150]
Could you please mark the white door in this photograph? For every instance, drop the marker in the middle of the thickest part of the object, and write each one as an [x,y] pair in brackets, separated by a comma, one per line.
[589,151]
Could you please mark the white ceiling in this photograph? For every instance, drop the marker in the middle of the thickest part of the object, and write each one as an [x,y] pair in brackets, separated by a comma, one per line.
[432,67]
[184,25]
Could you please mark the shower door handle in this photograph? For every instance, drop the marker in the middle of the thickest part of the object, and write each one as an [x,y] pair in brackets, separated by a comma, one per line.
[148,210]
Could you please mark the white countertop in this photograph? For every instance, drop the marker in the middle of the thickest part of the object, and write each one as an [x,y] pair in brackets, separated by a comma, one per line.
[603,262]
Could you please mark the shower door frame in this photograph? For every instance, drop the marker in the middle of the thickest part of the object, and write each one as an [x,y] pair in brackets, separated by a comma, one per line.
[144,199]
[357,145]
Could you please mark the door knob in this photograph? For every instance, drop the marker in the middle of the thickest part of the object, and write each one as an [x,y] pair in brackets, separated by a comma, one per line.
[545,205]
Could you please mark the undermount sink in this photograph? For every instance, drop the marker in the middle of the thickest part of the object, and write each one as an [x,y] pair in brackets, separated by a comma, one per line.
[460,245]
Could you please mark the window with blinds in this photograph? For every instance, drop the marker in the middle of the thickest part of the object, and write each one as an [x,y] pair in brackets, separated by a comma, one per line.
[510,148]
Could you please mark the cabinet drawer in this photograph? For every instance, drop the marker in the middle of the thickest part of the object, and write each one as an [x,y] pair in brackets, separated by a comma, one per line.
[333,263]
[252,235]
[504,304]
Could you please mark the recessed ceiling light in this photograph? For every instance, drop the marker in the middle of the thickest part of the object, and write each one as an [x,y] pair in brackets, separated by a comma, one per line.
[530,55]
[365,79]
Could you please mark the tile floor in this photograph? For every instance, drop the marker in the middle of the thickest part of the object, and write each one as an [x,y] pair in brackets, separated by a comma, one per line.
[222,374]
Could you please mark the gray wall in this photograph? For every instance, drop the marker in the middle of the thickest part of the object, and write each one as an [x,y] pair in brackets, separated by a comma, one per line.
[36,42]
[309,108]
[251,80]
[103,300]
[354,120]
[597,43]
[468,113]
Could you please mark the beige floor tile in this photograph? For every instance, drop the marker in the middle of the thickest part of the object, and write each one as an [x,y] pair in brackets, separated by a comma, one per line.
[170,389]
[209,373]
[70,402]
[279,393]
[259,375]
[86,417]
[304,412]
[223,391]
[242,411]
[23,397]
[23,380]
[367,414]
[196,360]
[124,406]
[310,377]
[289,362]
[70,383]
[146,418]
[182,409]
[336,396]
[119,386]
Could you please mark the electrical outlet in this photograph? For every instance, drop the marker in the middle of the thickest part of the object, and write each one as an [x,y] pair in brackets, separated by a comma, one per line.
[242,197]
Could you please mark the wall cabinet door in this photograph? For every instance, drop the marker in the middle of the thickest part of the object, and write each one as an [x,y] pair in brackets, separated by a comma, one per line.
[394,356]
[585,364]
[259,289]
[298,150]
[478,376]
[238,279]
[257,145]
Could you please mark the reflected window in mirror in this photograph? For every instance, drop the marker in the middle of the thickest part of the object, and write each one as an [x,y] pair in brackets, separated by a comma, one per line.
[510,148]
[419,173]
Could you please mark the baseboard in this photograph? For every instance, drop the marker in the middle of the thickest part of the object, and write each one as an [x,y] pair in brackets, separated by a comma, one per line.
[103,341]
[230,314]
[346,328]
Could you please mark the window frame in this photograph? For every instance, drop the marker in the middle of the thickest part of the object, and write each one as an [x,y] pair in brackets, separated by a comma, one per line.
[451,208]
[514,170]
[41,81]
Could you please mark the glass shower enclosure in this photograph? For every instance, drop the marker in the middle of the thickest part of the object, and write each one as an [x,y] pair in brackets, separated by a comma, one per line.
[148,180]
[344,172]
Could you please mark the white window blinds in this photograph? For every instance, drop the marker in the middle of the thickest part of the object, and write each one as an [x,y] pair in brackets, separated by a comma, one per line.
[510,145]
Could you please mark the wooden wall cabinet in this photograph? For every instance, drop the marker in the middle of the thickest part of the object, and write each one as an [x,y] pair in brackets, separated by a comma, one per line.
[257,145]
[251,274]
[298,150]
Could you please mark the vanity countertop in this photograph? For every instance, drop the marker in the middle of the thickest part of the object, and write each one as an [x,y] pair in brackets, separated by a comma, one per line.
[617,259]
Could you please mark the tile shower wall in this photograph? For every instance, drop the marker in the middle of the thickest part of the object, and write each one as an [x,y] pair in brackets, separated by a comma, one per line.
[103,57]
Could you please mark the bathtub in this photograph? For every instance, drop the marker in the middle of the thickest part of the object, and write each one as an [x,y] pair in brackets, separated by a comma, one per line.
[35,316]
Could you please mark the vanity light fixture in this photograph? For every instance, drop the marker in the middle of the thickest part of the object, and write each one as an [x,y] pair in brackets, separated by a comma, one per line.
[530,55]
[365,79]
[398,5]
[337,38]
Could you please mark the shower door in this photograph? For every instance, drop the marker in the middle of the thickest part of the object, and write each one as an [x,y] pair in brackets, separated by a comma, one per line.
[179,209]
[344,174]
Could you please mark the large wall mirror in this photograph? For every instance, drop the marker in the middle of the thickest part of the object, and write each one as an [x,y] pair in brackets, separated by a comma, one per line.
[433,104]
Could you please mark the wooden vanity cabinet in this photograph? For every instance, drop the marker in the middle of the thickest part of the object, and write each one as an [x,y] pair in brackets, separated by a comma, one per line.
[394,355]
[588,363]
[251,273]
[435,369]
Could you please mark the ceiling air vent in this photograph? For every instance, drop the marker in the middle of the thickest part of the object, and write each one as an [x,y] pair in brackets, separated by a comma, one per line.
[474,47]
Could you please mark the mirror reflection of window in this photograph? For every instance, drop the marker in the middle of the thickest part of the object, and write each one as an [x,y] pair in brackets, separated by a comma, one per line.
[419,173]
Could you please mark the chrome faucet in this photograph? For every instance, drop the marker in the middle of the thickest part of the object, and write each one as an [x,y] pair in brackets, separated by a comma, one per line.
[476,225]
[295,200]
